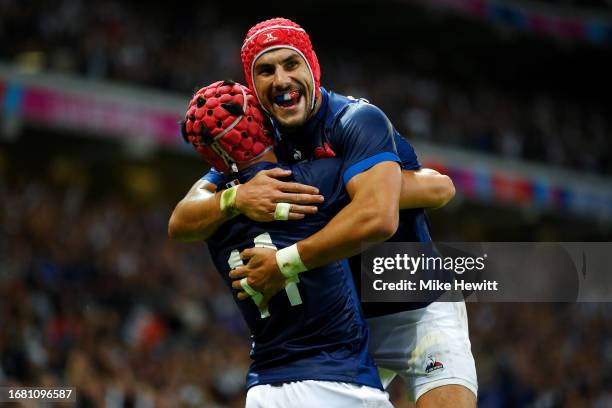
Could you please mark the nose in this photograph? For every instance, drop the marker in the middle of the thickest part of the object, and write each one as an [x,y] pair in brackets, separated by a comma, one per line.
[281,78]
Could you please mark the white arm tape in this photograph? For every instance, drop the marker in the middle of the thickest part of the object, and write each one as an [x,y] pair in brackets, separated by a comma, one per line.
[289,261]
[281,213]
[247,288]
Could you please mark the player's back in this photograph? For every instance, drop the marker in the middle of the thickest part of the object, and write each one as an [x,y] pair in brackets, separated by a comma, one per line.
[314,330]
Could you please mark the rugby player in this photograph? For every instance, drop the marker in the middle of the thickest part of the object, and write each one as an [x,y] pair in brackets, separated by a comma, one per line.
[300,357]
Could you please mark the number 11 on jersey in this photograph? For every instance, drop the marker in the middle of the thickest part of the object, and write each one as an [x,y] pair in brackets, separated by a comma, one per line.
[265,241]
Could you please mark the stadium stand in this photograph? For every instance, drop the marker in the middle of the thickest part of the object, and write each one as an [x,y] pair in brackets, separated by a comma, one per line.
[430,90]
[92,293]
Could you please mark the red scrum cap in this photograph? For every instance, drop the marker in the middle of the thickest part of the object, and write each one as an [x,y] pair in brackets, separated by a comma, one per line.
[279,33]
[225,124]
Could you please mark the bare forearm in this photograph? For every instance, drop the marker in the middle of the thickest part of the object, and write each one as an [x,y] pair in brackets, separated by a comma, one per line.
[425,188]
[198,215]
[344,236]
[196,219]
[370,217]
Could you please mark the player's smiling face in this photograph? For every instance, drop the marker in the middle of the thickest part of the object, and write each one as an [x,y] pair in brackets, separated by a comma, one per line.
[284,86]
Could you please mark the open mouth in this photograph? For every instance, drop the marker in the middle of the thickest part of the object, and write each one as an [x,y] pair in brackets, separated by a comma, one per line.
[288,99]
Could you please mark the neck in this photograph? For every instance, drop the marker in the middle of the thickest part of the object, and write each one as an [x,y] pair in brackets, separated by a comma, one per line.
[269,156]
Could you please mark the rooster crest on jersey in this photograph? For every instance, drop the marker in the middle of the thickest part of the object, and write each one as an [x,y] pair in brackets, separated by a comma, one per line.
[433,364]
[225,124]
[279,33]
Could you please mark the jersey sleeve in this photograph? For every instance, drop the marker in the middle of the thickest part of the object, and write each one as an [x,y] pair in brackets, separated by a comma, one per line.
[213,176]
[363,137]
[406,153]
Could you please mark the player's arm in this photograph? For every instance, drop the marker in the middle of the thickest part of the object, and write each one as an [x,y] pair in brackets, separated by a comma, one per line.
[200,213]
[370,217]
[425,188]
[372,177]
[421,188]
[364,137]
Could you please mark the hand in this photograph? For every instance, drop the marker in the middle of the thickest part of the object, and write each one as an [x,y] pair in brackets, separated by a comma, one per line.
[258,197]
[262,274]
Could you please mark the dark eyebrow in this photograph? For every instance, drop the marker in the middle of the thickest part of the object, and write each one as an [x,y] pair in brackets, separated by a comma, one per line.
[290,58]
[261,67]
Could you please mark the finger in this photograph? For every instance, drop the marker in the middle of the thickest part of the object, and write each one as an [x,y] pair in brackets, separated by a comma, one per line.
[294,216]
[238,273]
[250,288]
[298,198]
[276,172]
[303,209]
[236,285]
[264,302]
[246,254]
[290,187]
[242,295]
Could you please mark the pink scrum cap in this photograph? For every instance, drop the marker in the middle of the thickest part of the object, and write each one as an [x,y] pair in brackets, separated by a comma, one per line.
[279,33]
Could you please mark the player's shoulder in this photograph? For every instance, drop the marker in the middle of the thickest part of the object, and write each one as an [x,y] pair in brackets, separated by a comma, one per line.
[363,109]
[214,177]
[363,113]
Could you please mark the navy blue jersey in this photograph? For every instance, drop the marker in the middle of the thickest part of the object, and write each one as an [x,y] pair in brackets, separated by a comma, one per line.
[357,132]
[361,135]
[314,330]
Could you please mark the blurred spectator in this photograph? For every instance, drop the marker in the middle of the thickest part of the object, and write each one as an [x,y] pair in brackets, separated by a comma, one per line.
[94,296]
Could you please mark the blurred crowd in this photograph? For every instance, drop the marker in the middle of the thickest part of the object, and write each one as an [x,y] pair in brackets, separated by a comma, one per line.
[182,47]
[581,4]
[94,296]
[542,354]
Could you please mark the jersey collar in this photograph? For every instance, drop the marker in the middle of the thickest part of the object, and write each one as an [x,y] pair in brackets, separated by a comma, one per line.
[320,115]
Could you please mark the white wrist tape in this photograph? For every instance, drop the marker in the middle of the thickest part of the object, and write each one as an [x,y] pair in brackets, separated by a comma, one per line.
[281,213]
[289,261]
